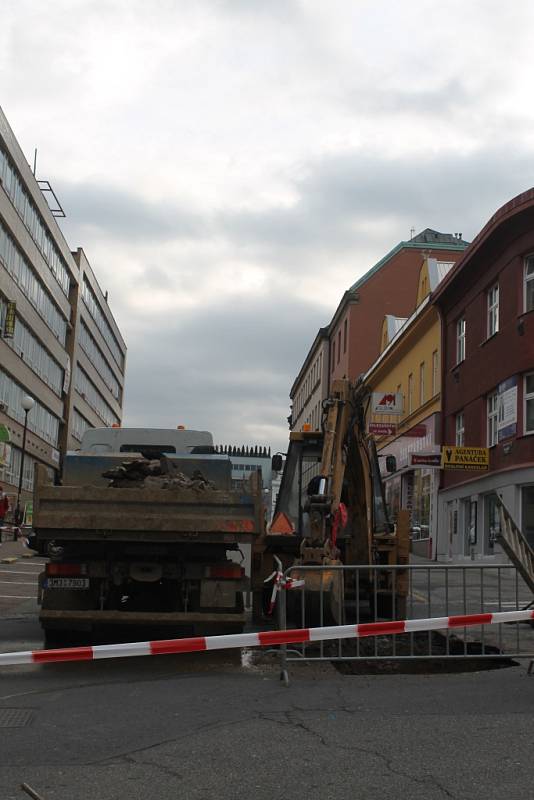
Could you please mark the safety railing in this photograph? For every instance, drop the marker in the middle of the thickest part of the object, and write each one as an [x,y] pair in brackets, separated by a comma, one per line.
[343,595]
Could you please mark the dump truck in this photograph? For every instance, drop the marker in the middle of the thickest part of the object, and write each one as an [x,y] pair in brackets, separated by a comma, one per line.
[135,553]
[331,511]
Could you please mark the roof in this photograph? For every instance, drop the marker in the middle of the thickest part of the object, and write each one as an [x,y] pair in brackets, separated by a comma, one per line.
[437,270]
[521,203]
[428,237]
[394,324]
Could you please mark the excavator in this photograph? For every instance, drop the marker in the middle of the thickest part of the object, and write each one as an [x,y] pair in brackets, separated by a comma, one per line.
[331,510]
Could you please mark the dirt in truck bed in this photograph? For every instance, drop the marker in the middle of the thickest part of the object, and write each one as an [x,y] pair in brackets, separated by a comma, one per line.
[158,473]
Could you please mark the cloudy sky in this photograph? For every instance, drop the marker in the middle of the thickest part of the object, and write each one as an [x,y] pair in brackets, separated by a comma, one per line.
[230,167]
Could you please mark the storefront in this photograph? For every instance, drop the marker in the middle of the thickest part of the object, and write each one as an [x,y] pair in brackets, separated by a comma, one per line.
[415,483]
[469,522]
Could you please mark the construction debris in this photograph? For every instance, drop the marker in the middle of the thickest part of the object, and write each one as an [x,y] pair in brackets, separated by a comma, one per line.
[159,473]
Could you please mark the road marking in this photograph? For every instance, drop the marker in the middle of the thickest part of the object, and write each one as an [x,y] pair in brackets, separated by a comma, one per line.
[17,572]
[19,596]
[17,583]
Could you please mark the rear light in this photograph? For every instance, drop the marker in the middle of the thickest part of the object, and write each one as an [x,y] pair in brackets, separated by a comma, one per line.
[225,571]
[66,569]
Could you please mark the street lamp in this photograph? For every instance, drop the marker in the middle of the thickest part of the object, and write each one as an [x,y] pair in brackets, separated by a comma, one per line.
[27,404]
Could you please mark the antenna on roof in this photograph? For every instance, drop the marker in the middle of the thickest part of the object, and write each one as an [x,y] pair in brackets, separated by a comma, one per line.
[34,162]
[412,232]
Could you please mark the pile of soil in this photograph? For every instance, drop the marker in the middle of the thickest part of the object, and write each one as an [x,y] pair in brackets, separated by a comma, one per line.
[158,473]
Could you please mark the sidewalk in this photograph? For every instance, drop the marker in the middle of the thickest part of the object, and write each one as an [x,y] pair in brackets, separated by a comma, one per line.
[15,550]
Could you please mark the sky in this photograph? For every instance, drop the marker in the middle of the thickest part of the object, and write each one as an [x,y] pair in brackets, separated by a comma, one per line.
[231,167]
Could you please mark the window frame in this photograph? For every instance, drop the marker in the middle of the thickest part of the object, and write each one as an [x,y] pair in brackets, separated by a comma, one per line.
[492,311]
[460,340]
[410,393]
[527,279]
[422,383]
[492,419]
[459,429]
[527,397]
[435,373]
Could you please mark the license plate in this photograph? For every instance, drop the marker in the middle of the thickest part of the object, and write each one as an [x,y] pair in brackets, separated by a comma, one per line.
[67,583]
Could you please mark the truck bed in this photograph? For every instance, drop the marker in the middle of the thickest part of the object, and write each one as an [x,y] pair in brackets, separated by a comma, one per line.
[89,513]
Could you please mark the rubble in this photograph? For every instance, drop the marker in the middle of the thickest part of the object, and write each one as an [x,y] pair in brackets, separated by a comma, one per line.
[159,473]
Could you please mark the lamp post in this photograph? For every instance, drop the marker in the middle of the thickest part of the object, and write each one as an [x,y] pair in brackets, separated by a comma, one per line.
[27,404]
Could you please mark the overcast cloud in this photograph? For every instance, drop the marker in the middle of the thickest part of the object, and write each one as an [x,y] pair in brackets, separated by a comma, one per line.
[230,167]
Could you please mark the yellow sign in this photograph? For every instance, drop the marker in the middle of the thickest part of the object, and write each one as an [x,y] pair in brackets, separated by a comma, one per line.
[9,322]
[469,458]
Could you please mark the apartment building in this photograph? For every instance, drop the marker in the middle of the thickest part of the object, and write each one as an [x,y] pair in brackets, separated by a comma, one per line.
[310,387]
[59,342]
[389,287]
[487,307]
[409,365]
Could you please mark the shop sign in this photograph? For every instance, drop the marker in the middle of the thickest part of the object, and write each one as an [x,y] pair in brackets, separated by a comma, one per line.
[28,515]
[432,460]
[9,321]
[386,403]
[382,428]
[507,408]
[417,432]
[5,447]
[5,454]
[465,458]
[405,445]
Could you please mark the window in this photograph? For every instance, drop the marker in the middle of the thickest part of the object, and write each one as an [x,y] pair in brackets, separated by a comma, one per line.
[529,403]
[30,284]
[410,393]
[34,354]
[493,310]
[422,383]
[93,306]
[345,336]
[33,221]
[493,416]
[333,364]
[529,284]
[338,345]
[460,431]
[40,421]
[93,398]
[79,425]
[460,340]
[435,373]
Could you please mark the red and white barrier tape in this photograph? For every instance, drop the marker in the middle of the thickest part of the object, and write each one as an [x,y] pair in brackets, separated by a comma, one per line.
[280,580]
[261,639]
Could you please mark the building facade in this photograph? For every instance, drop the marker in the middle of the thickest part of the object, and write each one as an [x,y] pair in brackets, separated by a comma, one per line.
[310,387]
[487,306]
[409,366]
[388,288]
[40,286]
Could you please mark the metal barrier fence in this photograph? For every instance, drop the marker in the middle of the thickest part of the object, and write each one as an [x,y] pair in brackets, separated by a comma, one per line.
[355,594]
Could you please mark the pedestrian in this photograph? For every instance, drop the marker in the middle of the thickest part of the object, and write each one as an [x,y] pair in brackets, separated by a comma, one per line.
[4,508]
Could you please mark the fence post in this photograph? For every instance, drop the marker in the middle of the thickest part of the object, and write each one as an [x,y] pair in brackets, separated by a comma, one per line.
[282,626]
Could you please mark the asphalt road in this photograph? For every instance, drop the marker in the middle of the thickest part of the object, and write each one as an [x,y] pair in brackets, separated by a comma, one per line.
[221,725]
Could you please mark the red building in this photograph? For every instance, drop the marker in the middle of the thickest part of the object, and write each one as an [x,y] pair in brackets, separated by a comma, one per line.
[390,287]
[487,309]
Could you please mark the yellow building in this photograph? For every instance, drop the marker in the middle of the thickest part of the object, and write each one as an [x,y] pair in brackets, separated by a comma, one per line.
[409,367]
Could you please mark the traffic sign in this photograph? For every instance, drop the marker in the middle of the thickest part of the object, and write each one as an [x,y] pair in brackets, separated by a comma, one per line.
[466,458]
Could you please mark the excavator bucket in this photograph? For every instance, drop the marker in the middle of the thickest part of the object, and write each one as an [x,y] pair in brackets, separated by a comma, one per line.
[320,601]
